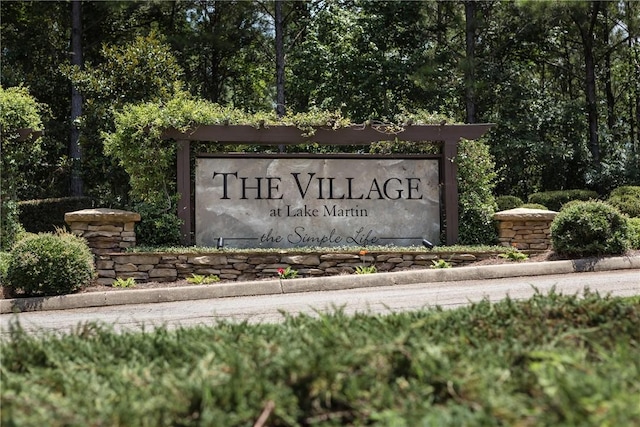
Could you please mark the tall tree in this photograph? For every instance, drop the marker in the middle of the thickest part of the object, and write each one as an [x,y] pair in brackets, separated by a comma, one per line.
[470,59]
[76,99]
[280,58]
[585,17]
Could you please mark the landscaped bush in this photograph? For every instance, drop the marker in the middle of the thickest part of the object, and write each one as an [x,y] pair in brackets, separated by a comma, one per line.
[551,360]
[47,215]
[10,225]
[4,265]
[508,202]
[555,199]
[50,264]
[634,232]
[534,206]
[158,225]
[590,228]
[626,199]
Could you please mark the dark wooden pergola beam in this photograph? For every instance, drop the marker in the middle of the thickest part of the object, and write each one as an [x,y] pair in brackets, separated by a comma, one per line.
[353,135]
[448,135]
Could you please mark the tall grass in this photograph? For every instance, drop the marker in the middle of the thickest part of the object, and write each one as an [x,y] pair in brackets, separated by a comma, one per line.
[550,360]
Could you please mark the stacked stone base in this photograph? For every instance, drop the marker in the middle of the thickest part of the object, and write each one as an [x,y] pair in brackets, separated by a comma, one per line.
[239,266]
[105,230]
[525,229]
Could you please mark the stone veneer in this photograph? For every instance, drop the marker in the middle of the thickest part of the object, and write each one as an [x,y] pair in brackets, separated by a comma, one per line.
[106,230]
[168,267]
[109,232]
[525,229]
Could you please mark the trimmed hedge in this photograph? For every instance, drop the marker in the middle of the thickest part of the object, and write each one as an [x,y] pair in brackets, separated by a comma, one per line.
[590,228]
[626,199]
[508,202]
[45,215]
[554,200]
[534,206]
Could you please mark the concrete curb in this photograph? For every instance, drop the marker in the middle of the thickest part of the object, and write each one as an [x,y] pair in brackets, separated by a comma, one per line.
[330,283]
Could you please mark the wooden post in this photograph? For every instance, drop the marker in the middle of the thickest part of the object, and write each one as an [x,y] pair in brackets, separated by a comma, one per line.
[450,172]
[184,190]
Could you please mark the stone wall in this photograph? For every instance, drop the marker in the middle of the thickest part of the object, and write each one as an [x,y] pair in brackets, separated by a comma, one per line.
[110,232]
[525,229]
[106,230]
[167,267]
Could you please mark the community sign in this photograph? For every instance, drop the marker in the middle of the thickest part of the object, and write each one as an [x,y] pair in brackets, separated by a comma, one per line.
[311,201]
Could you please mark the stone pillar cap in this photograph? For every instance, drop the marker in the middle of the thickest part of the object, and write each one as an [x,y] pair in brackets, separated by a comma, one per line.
[524,214]
[101,214]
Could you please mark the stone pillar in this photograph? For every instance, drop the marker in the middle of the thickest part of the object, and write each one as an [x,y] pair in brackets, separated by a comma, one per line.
[526,229]
[106,230]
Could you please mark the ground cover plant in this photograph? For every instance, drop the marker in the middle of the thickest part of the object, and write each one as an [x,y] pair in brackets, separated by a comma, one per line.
[549,360]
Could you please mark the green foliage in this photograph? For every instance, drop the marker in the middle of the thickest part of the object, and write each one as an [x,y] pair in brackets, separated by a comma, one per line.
[514,255]
[129,282]
[440,263]
[590,228]
[18,111]
[626,199]
[508,202]
[476,182]
[20,114]
[199,279]
[148,159]
[287,273]
[159,224]
[555,199]
[47,215]
[634,233]
[142,70]
[50,264]
[5,258]
[534,206]
[366,269]
[10,226]
[507,363]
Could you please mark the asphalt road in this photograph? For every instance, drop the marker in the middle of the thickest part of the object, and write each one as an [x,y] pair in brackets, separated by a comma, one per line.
[269,308]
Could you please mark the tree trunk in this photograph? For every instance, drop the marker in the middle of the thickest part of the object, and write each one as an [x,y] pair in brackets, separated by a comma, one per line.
[611,118]
[470,42]
[76,100]
[587,36]
[279,24]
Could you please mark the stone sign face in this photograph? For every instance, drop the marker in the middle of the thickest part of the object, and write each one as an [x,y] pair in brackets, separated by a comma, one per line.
[288,202]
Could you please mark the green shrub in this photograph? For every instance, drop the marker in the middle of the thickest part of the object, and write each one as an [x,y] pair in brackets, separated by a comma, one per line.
[626,199]
[590,228]
[5,257]
[476,182]
[508,202]
[634,232]
[158,225]
[50,264]
[555,199]
[534,206]
[10,226]
[47,215]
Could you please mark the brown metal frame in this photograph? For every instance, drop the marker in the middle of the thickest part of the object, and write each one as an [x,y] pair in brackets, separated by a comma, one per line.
[447,135]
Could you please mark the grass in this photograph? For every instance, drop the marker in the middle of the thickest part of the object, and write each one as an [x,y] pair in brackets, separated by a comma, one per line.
[549,360]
